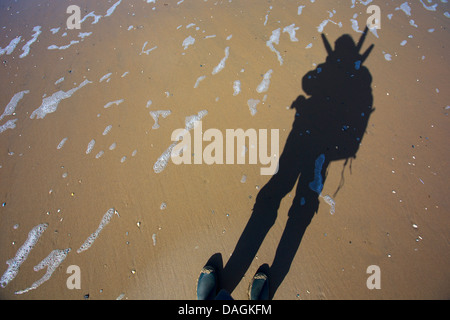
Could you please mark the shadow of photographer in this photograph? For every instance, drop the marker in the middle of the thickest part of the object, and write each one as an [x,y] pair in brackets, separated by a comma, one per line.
[328,126]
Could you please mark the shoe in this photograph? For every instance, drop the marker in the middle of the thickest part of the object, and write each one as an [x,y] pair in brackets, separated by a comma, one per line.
[207,284]
[259,287]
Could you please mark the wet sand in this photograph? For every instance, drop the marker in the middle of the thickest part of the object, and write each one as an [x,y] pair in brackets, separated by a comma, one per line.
[392,210]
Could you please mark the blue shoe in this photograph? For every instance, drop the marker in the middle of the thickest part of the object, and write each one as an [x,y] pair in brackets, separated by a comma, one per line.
[207,284]
[259,287]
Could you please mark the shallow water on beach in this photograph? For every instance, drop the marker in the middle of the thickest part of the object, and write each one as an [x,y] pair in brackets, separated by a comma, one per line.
[86,122]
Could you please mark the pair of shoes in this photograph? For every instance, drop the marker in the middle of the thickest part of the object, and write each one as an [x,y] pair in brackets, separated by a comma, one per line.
[259,287]
[207,284]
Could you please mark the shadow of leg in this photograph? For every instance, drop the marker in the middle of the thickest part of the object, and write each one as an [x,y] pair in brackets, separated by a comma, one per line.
[259,224]
[288,246]
[303,208]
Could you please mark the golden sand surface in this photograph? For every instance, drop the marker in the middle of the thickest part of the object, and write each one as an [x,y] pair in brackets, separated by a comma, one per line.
[392,209]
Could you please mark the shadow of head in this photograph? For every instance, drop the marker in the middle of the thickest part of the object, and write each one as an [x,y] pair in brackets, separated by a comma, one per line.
[336,114]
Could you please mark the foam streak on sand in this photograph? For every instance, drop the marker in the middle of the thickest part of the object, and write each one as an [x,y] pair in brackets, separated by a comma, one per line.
[105,77]
[113,7]
[163,159]
[26,47]
[198,81]
[155,115]
[90,240]
[10,47]
[221,64]
[147,52]
[50,104]
[252,103]
[264,85]
[275,38]
[291,31]
[187,42]
[10,124]
[53,47]
[11,107]
[22,254]
[236,87]
[90,146]
[405,8]
[61,144]
[109,104]
[52,262]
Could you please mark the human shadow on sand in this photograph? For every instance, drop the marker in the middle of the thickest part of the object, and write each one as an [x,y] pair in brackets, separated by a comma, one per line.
[328,126]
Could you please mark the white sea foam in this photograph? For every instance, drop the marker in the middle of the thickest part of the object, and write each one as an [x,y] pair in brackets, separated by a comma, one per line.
[11,106]
[355,26]
[107,129]
[299,10]
[22,254]
[163,159]
[252,103]
[61,144]
[11,46]
[191,121]
[330,202]
[325,22]
[236,87]
[291,31]
[112,146]
[221,64]
[429,8]
[267,15]
[198,81]
[109,104]
[105,77]
[275,39]
[405,8]
[91,15]
[188,42]
[264,85]
[59,81]
[90,146]
[99,154]
[55,47]
[26,47]
[155,115]
[90,240]
[112,8]
[50,104]
[10,124]
[147,52]
[83,35]
[52,262]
